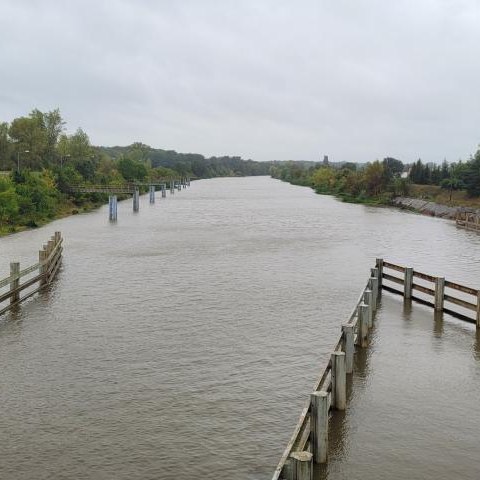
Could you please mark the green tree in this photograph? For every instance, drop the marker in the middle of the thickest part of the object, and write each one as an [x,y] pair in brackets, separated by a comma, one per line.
[8,201]
[132,170]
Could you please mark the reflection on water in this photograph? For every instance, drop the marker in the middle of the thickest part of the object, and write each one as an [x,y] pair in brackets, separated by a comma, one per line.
[182,341]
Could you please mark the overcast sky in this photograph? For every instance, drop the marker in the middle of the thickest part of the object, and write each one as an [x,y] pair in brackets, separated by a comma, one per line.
[354,79]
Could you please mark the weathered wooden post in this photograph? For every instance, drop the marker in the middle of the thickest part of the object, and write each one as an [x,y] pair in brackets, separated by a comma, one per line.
[374,272]
[179,186]
[339,381]
[368,300]
[362,325]
[319,426]
[152,193]
[15,281]
[439,291]
[172,186]
[348,337]
[408,283]
[136,200]
[164,190]
[42,257]
[379,265]
[301,465]
[188,181]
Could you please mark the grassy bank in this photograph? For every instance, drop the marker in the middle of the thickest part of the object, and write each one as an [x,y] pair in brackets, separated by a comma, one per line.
[434,193]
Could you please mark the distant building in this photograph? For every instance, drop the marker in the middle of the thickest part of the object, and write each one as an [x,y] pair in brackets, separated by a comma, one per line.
[325,160]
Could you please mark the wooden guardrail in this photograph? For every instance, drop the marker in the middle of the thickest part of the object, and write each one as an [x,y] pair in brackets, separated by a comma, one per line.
[471,301]
[49,261]
[309,442]
[469,220]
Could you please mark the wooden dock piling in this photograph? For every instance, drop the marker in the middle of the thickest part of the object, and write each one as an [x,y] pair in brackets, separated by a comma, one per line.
[339,381]
[49,261]
[319,426]
[302,466]
[152,193]
[408,283]
[439,293]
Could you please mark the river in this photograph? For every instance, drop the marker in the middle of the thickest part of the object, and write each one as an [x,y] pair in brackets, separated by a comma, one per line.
[182,341]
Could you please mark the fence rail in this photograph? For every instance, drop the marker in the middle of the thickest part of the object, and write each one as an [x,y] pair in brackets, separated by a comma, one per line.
[407,280]
[49,261]
[469,220]
[309,441]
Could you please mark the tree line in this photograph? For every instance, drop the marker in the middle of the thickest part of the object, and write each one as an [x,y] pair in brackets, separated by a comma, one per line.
[39,161]
[379,181]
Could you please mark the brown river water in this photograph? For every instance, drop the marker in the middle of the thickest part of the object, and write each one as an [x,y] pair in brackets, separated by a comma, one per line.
[182,341]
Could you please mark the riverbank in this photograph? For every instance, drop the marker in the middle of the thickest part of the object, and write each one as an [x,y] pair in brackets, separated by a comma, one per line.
[419,201]
[66,210]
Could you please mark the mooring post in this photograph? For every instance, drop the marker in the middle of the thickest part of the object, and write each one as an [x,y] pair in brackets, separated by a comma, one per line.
[136,200]
[408,283]
[152,193]
[188,181]
[339,381]
[179,186]
[368,300]
[319,426]
[15,281]
[348,337]
[301,465]
[362,325]
[379,265]
[164,190]
[439,291]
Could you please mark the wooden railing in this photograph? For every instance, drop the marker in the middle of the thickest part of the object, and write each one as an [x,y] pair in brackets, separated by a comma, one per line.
[309,441]
[468,220]
[470,302]
[49,261]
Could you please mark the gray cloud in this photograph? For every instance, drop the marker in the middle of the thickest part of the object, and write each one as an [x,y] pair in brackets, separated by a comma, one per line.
[357,80]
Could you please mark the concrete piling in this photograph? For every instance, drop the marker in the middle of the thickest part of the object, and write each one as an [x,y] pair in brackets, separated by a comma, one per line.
[136,200]
[112,208]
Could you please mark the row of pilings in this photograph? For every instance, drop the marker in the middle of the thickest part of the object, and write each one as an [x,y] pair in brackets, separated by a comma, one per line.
[171,185]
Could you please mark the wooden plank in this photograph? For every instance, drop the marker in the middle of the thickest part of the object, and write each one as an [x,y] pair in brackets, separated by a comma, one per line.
[461,288]
[22,273]
[426,290]
[392,266]
[424,276]
[461,303]
[392,278]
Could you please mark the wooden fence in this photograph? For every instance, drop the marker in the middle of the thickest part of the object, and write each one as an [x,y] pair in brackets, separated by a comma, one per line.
[309,442]
[409,281]
[468,220]
[49,261]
